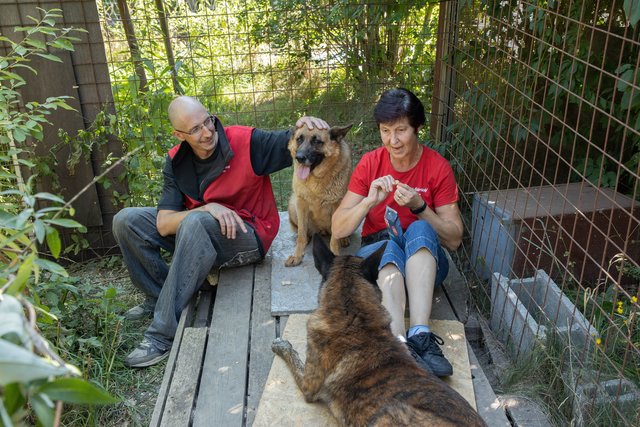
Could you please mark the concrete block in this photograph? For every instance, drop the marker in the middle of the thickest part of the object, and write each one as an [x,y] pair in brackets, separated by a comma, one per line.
[524,310]
[524,412]
[487,403]
[295,289]
[601,402]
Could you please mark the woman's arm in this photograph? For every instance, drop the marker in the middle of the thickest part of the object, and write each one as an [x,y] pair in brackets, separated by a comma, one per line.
[447,223]
[354,207]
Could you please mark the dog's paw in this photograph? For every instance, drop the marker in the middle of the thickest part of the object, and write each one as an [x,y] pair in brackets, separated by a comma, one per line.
[281,346]
[292,261]
[344,242]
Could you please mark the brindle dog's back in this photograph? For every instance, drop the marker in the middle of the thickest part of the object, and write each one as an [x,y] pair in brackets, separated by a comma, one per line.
[356,365]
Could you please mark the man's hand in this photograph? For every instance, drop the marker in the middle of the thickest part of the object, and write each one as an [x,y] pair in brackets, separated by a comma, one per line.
[229,220]
[312,122]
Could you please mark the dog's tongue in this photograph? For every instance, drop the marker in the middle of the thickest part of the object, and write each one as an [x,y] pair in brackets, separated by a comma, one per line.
[303,172]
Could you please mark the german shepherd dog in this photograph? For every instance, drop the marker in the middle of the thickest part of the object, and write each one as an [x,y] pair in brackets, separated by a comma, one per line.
[322,168]
[356,365]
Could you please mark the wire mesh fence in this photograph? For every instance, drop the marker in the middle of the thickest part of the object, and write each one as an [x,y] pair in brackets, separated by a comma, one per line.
[542,120]
[265,64]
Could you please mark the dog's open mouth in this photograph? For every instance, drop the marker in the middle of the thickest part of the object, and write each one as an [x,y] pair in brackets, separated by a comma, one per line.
[303,172]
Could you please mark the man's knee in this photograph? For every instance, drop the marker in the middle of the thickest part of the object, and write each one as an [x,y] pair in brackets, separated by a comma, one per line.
[124,219]
[131,222]
[195,220]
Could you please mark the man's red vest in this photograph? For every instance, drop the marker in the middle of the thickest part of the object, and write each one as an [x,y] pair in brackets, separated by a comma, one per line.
[240,189]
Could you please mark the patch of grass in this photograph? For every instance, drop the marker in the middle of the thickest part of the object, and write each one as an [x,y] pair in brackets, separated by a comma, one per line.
[92,334]
[538,377]
[549,376]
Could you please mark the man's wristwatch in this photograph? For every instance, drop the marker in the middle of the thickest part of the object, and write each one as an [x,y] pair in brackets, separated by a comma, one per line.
[420,209]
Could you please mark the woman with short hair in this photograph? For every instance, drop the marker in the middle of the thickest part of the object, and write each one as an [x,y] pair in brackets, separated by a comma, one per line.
[418,184]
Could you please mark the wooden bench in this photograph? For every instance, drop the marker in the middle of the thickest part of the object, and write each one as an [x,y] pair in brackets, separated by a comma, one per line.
[221,357]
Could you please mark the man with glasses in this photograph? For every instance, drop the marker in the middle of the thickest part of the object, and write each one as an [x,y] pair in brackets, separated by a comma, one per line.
[217,210]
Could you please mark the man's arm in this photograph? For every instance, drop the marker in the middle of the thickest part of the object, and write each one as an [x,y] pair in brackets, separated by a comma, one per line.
[269,149]
[269,152]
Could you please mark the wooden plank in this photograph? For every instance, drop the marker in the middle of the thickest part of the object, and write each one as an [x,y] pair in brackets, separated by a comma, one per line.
[487,403]
[205,300]
[183,388]
[282,402]
[158,409]
[221,398]
[263,332]
[441,309]
[457,291]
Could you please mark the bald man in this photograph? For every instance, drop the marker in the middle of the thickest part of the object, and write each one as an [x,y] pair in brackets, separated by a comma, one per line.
[217,210]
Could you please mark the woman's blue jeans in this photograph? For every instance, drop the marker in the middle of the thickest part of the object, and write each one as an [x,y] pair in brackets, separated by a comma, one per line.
[419,234]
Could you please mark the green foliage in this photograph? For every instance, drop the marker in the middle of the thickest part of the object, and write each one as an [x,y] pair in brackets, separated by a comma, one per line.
[549,90]
[375,42]
[31,374]
[140,123]
[615,317]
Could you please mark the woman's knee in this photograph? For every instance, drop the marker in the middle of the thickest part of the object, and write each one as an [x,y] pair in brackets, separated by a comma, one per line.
[422,255]
[389,274]
[423,228]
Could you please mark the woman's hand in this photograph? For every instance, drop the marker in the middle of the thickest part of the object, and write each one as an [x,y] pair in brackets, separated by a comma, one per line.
[407,196]
[380,189]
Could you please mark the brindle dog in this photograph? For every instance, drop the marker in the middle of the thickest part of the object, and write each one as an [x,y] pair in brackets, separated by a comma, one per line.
[322,168]
[356,365]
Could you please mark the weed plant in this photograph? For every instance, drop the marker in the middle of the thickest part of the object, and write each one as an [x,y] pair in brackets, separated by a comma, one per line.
[89,331]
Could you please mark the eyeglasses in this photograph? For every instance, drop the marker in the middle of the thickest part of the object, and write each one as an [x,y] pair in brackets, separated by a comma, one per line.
[210,123]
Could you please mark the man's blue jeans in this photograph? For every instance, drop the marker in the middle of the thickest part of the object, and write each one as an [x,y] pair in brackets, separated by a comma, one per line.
[197,247]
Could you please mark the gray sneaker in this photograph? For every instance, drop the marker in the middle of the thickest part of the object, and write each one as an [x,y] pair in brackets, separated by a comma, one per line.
[146,354]
[140,311]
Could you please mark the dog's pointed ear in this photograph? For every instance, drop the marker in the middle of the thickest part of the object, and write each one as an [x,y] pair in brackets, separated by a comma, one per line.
[369,266]
[337,133]
[322,256]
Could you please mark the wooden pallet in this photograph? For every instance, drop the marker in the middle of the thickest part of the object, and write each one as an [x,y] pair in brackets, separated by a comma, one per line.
[221,357]
[221,354]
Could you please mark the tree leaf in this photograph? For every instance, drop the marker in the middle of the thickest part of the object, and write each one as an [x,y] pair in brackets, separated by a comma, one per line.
[53,242]
[12,320]
[49,196]
[20,365]
[64,222]
[13,398]
[40,230]
[632,11]
[49,57]
[4,416]
[19,135]
[38,44]
[77,390]
[24,272]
